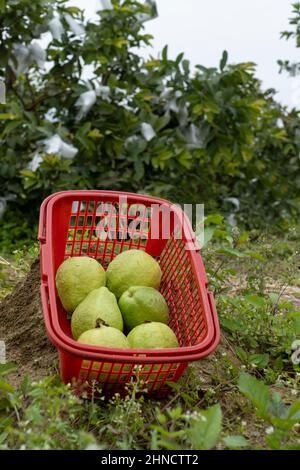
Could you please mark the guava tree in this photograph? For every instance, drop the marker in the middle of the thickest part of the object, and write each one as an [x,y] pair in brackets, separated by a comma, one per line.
[85,110]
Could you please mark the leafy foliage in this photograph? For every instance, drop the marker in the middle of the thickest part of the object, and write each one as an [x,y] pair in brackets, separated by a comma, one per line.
[210,135]
[273,410]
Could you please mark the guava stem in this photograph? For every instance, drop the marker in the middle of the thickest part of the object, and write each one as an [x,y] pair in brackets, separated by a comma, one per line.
[100,322]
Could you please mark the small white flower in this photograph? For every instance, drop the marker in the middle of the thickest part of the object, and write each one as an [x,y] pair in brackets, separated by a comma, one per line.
[270,430]
[244,423]
[92,447]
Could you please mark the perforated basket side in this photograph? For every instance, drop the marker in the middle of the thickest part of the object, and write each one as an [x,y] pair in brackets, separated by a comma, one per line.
[71,221]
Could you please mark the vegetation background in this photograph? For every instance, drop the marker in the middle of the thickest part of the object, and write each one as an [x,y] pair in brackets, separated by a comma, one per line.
[209,135]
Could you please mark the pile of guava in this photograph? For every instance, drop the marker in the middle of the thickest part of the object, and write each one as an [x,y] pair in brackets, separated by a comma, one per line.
[117,308]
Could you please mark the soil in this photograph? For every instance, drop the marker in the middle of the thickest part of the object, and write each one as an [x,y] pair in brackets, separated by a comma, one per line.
[23,331]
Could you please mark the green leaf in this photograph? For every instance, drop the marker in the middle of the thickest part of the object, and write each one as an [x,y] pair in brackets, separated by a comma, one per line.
[231,325]
[164,53]
[232,252]
[224,60]
[235,442]
[5,403]
[294,411]
[95,134]
[7,116]
[185,159]
[215,219]
[273,296]
[241,354]
[153,63]
[256,300]
[261,360]
[7,368]
[186,66]
[73,10]
[206,430]
[6,387]
[255,255]
[120,42]
[179,58]
[256,391]
[208,235]
[198,109]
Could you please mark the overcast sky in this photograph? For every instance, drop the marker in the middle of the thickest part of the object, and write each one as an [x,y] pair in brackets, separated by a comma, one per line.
[248,29]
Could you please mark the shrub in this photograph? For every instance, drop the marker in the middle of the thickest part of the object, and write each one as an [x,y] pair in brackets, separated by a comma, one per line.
[152,125]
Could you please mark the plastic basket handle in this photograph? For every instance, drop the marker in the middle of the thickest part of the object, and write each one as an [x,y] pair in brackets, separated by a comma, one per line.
[45,304]
[42,220]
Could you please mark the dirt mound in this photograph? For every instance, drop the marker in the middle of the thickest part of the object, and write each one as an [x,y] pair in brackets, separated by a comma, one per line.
[22,328]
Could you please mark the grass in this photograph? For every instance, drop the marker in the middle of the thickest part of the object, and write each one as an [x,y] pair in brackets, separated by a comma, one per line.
[244,396]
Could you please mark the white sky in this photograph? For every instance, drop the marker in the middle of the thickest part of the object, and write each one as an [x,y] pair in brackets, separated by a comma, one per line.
[248,29]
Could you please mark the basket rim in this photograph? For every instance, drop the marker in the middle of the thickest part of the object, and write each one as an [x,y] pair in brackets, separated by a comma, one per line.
[46,218]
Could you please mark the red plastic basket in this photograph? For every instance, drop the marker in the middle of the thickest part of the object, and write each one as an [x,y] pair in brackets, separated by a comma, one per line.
[101,224]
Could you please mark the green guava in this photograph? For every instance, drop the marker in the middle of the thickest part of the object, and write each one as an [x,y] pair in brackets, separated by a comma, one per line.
[152,335]
[76,277]
[139,304]
[100,304]
[132,268]
[104,336]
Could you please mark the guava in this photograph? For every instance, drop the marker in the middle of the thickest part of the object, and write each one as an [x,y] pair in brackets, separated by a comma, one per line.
[100,304]
[139,304]
[104,336]
[132,268]
[152,335]
[76,277]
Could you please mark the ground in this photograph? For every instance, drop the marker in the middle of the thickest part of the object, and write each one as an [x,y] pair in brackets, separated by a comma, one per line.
[256,285]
